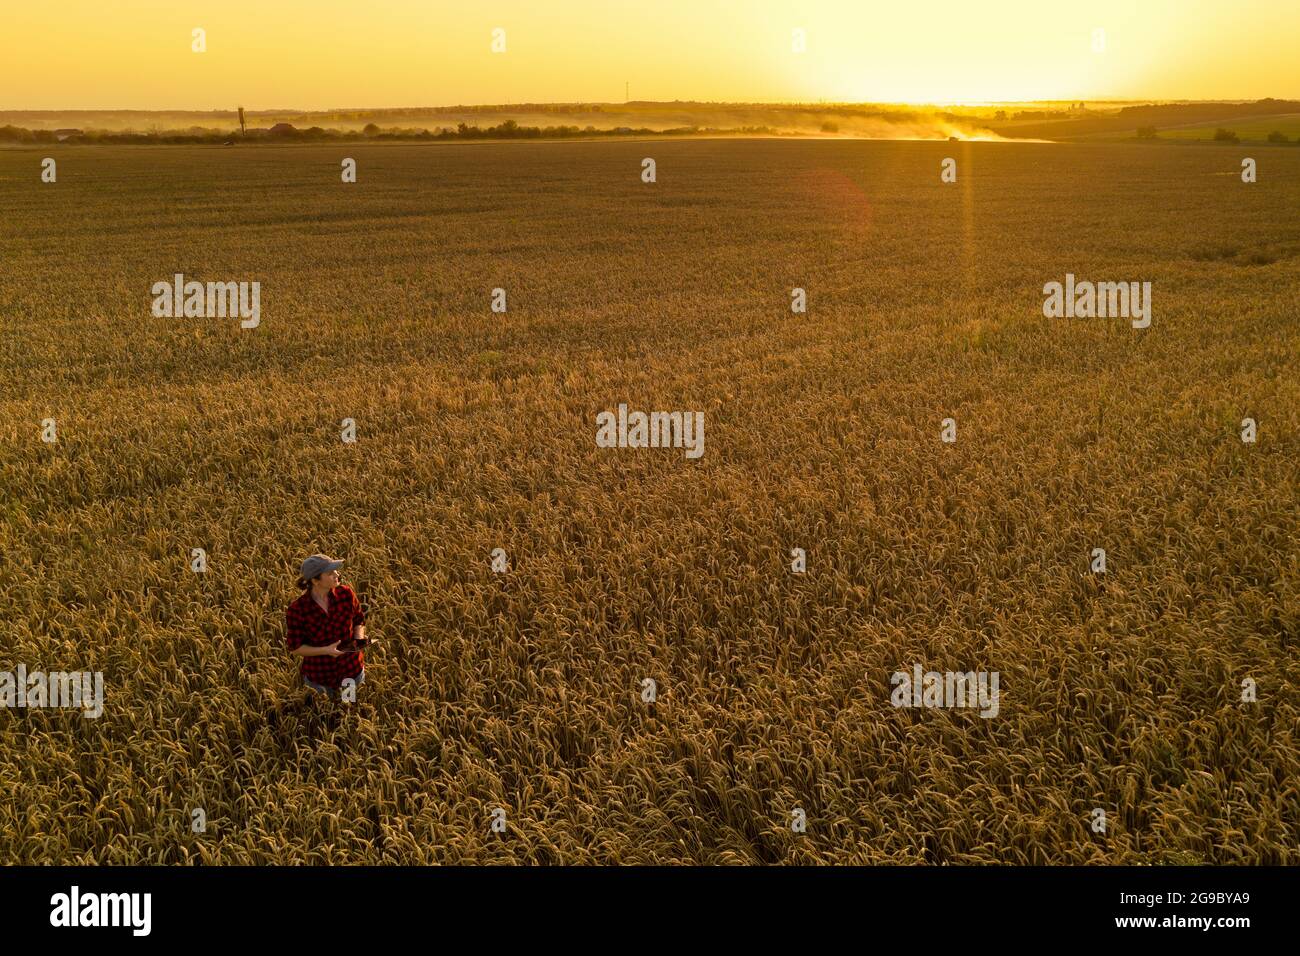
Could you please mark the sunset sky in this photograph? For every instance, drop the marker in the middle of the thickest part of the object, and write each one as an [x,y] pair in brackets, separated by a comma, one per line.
[135,54]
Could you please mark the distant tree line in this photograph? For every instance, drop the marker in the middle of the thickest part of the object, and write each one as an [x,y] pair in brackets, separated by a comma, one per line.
[1183,113]
[282,132]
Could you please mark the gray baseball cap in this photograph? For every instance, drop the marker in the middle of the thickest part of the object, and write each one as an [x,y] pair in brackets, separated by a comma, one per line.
[318,564]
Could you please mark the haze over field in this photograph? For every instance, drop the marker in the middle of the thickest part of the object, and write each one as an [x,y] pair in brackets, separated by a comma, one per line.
[1262,121]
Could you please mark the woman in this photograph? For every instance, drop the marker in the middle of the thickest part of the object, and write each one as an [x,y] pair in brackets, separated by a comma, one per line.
[327,615]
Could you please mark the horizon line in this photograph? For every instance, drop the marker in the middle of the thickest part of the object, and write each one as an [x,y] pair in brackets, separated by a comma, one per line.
[937,104]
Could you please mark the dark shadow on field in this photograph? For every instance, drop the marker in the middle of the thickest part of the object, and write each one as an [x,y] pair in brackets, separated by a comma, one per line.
[304,715]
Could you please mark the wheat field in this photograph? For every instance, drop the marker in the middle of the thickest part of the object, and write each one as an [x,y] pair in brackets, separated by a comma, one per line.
[475,431]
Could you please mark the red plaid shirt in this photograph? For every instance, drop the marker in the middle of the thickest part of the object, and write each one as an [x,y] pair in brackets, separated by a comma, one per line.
[308,624]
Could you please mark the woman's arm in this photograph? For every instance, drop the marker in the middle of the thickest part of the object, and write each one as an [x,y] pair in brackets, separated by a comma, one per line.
[307,650]
[358,620]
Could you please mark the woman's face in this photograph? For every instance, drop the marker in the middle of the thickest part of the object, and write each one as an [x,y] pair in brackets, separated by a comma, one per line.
[331,579]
